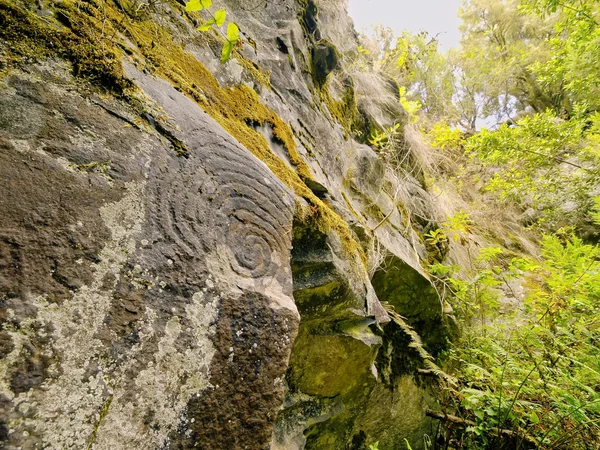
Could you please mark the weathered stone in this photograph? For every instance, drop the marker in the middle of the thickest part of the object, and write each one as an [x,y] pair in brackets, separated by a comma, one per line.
[325,59]
[415,298]
[141,284]
[149,293]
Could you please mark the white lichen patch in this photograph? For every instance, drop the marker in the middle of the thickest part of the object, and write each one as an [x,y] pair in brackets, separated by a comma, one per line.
[25,146]
[69,402]
[164,387]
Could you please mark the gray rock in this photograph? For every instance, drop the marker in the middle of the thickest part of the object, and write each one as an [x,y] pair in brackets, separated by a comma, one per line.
[160,286]
[146,296]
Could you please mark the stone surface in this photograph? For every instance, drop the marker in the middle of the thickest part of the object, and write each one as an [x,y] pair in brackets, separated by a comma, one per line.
[162,287]
[146,296]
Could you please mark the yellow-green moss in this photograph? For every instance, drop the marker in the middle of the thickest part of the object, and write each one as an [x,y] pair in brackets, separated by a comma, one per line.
[103,414]
[344,110]
[352,210]
[262,77]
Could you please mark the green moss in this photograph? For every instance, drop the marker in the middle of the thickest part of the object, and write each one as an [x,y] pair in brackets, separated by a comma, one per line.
[330,365]
[352,210]
[324,59]
[262,77]
[94,166]
[415,298]
[344,111]
[28,36]
[315,300]
[103,414]
[237,107]
[375,211]
[308,16]
[321,217]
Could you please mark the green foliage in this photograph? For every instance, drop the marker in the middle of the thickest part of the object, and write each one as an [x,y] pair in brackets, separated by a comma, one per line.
[527,361]
[574,63]
[454,227]
[545,163]
[198,5]
[412,107]
[436,236]
[595,211]
[427,76]
[387,141]
[445,137]
[541,376]
[216,21]
[500,43]
[233,37]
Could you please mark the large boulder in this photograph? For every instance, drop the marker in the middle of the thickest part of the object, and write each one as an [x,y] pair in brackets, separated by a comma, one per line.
[146,296]
[193,254]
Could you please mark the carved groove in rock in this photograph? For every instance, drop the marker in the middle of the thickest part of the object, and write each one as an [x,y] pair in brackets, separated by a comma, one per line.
[254,216]
[181,216]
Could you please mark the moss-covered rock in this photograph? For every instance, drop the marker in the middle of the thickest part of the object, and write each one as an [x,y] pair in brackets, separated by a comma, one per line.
[415,298]
[325,59]
[149,295]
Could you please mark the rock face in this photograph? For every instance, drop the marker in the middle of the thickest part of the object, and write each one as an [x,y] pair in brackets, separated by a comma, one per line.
[194,255]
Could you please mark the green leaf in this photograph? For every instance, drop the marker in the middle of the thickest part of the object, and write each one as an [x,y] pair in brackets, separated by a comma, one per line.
[206,3]
[233,32]
[206,26]
[220,17]
[193,5]
[226,52]
[534,417]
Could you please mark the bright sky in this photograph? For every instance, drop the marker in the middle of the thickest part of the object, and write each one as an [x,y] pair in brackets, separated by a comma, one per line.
[434,16]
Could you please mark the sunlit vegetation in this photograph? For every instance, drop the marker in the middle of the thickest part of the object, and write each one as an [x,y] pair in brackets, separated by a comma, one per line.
[517,107]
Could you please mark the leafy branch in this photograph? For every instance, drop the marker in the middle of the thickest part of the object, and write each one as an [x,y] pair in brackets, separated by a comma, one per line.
[216,21]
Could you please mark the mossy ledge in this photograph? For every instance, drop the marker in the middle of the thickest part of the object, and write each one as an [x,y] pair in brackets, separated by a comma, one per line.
[27,36]
[88,33]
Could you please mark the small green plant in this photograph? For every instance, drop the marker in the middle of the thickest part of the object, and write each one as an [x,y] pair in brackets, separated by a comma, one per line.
[412,107]
[456,227]
[216,21]
[384,139]
[537,383]
[436,236]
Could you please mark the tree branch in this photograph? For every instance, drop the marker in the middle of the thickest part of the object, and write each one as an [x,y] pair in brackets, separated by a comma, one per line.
[464,423]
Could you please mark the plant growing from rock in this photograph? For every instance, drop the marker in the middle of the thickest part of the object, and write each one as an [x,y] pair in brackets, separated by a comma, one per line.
[534,376]
[216,21]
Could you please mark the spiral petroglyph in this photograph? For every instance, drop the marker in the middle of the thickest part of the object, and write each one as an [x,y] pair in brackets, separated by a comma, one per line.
[246,207]
[181,214]
[255,241]
[256,213]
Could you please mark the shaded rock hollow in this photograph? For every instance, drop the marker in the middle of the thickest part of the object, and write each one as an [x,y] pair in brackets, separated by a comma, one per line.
[195,255]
